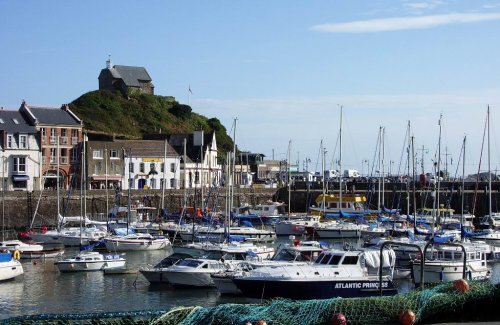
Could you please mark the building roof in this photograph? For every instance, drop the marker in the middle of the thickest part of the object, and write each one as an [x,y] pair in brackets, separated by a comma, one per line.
[7,123]
[146,148]
[130,75]
[51,115]
[192,152]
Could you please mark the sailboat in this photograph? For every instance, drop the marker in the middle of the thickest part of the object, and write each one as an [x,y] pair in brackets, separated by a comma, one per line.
[449,262]
[10,267]
[87,260]
[492,219]
[341,206]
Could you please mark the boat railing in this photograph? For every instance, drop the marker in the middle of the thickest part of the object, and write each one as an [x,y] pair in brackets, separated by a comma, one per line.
[387,243]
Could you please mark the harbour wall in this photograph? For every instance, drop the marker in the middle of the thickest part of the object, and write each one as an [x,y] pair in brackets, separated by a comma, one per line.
[18,208]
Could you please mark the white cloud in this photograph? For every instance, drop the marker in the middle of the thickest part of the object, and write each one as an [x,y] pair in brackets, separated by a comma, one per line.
[402,23]
[427,5]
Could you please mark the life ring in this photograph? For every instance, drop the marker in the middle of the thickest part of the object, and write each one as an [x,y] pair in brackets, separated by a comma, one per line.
[16,255]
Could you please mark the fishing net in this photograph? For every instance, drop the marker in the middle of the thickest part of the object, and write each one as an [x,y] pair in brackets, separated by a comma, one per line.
[440,303]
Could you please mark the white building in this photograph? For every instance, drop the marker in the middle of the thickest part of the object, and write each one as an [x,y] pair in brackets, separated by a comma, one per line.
[20,155]
[199,167]
[150,163]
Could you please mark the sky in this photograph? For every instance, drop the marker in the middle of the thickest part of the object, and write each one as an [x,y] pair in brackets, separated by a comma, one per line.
[282,70]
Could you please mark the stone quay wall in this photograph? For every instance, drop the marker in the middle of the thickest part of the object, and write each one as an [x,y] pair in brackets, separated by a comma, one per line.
[19,207]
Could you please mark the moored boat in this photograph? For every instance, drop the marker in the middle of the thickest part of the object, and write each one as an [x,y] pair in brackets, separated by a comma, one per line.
[33,250]
[10,267]
[136,242]
[89,261]
[333,274]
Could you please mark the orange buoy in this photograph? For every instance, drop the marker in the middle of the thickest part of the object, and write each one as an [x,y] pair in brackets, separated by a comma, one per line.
[461,285]
[407,317]
[339,319]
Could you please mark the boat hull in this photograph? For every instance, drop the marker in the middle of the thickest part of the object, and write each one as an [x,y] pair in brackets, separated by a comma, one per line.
[309,289]
[189,279]
[155,276]
[72,266]
[127,246]
[438,273]
[225,285]
[9,270]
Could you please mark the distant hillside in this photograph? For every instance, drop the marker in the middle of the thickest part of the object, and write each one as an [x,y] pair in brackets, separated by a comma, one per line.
[109,112]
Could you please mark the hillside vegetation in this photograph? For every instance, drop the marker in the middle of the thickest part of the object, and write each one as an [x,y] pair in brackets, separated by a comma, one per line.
[111,113]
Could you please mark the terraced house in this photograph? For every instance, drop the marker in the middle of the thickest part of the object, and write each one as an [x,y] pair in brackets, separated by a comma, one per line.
[60,143]
[20,157]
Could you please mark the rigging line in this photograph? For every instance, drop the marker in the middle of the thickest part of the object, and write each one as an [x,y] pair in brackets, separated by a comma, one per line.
[476,187]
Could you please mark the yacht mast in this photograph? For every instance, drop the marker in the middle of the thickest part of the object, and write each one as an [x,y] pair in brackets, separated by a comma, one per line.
[489,165]
[340,161]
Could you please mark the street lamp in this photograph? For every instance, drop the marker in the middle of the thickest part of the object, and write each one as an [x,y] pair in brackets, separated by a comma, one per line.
[367,166]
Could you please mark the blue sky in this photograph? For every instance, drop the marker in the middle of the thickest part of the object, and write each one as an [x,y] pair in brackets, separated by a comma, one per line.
[281,67]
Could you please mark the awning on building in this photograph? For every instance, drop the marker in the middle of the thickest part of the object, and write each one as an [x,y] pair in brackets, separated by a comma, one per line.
[20,178]
[109,178]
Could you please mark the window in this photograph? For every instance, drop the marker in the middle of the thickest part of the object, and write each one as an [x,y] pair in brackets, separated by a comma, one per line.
[19,164]
[9,141]
[23,141]
[172,182]
[15,121]
[97,168]
[1,121]
[141,168]
[64,132]
[74,136]
[131,167]
[64,156]
[131,183]
[43,132]
[113,154]
[162,167]
[153,183]
[97,154]
[196,177]
[350,260]
[74,155]
[172,167]
[335,260]
[53,136]
[53,155]
[152,167]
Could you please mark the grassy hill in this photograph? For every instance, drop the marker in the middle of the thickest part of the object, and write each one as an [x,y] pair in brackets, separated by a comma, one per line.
[109,112]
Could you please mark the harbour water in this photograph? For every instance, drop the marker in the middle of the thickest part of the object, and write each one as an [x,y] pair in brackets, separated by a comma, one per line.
[43,290]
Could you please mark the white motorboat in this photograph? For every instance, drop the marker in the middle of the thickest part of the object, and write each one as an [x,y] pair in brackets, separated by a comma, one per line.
[446,263]
[90,261]
[192,272]
[298,252]
[136,242]
[9,267]
[295,227]
[335,273]
[155,274]
[218,234]
[32,250]
[340,230]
